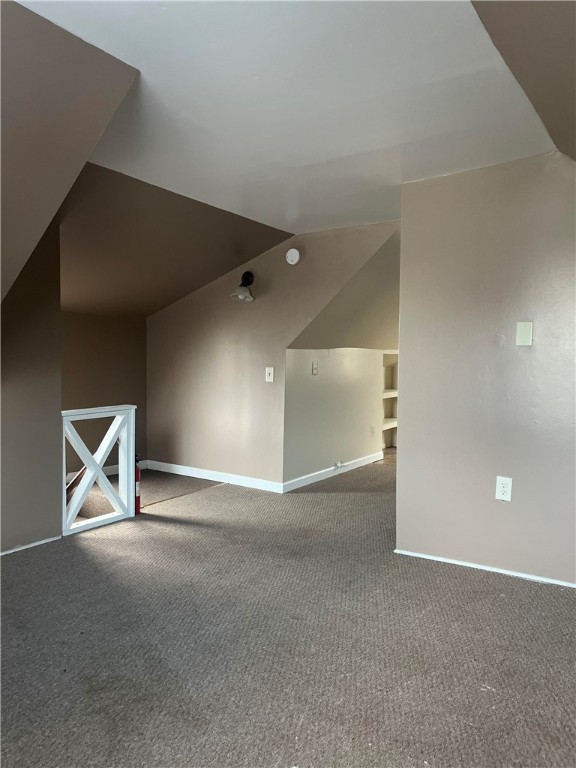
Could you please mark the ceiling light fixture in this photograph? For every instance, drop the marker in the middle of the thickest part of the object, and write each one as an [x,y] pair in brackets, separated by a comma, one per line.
[243,292]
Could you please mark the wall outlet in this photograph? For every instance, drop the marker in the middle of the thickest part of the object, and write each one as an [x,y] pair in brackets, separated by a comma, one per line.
[315,369]
[504,488]
[269,375]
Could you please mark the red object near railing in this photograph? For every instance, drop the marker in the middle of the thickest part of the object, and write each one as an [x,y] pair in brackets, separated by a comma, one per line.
[137,478]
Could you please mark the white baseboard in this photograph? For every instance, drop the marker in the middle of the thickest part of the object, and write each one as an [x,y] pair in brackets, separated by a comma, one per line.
[324,474]
[113,469]
[258,483]
[27,546]
[219,477]
[503,571]
[109,469]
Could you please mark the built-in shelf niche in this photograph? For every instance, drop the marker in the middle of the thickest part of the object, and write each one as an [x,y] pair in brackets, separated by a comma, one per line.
[389,397]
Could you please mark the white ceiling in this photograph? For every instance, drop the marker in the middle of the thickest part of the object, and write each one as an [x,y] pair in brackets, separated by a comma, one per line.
[304,115]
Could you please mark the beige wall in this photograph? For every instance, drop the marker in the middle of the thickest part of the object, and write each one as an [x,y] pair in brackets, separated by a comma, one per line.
[58,94]
[365,311]
[103,363]
[328,417]
[208,403]
[31,421]
[480,251]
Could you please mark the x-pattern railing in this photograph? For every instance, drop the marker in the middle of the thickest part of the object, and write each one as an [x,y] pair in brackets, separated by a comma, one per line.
[121,431]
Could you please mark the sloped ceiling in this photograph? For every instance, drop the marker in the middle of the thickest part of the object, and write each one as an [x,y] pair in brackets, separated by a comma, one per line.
[537,41]
[130,248]
[58,94]
[365,312]
[304,115]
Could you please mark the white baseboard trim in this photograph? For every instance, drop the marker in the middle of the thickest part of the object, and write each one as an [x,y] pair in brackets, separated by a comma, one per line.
[113,469]
[109,469]
[478,567]
[324,474]
[27,546]
[256,482]
[219,477]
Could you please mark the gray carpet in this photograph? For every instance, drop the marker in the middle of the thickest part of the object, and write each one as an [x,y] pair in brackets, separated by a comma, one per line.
[234,628]
[154,487]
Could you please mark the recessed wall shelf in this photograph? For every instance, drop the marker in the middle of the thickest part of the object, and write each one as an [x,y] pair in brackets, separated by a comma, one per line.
[389,397]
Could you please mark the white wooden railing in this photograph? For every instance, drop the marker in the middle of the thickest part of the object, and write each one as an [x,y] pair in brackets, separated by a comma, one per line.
[121,431]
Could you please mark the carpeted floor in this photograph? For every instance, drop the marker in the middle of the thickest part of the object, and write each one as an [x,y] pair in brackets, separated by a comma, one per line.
[154,487]
[233,628]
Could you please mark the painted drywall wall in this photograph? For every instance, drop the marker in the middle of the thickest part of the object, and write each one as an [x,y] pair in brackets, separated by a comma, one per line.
[31,391]
[58,95]
[365,312]
[103,363]
[156,246]
[334,415]
[209,405]
[480,251]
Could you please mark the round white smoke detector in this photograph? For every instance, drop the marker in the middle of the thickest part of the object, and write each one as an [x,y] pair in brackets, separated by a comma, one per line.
[293,256]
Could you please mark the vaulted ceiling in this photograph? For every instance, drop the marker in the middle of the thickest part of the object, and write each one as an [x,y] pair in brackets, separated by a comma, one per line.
[250,121]
[131,248]
[58,95]
[304,116]
[538,42]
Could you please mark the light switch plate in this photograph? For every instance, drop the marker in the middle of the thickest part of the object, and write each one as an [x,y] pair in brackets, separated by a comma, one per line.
[314,369]
[269,375]
[524,333]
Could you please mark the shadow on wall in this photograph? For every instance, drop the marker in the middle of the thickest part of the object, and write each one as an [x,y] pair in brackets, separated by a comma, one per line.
[103,364]
[31,400]
[364,313]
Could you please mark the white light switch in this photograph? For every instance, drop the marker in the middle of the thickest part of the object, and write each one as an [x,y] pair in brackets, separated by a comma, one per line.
[504,488]
[524,334]
[269,375]
[315,369]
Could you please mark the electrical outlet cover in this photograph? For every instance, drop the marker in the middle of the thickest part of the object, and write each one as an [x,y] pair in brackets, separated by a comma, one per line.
[504,488]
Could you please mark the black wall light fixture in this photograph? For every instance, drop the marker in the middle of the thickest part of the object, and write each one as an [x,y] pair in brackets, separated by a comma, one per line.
[243,292]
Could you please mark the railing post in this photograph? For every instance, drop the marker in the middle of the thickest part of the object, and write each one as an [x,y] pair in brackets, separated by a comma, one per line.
[127,464]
